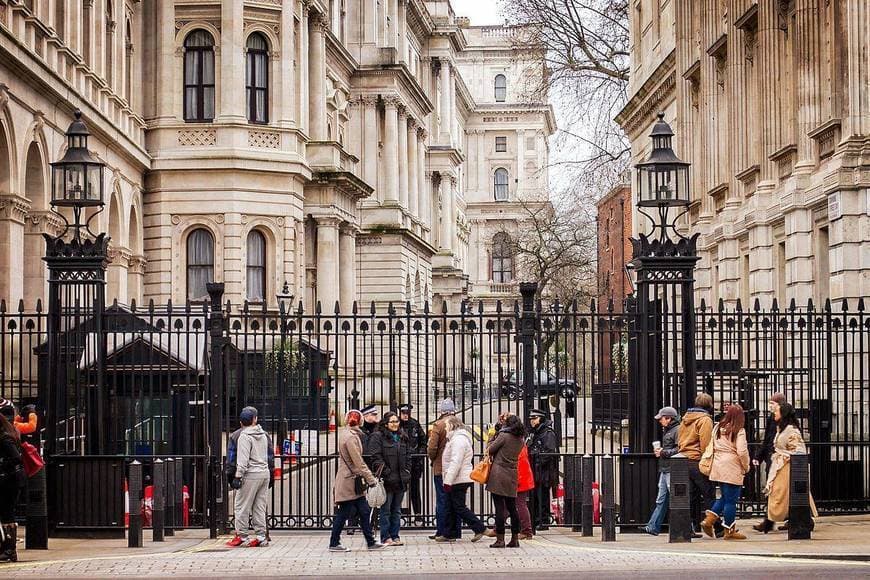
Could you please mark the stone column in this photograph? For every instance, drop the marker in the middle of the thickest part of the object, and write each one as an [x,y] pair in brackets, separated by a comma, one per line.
[482,169]
[401,31]
[232,62]
[167,62]
[521,164]
[318,25]
[424,198]
[403,157]
[391,150]
[799,238]
[446,111]
[13,211]
[370,143]
[327,263]
[287,63]
[347,267]
[302,70]
[413,195]
[393,15]
[809,74]
[441,192]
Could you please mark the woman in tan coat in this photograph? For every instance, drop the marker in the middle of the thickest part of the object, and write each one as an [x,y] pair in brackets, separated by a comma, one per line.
[788,441]
[730,466]
[348,495]
[504,450]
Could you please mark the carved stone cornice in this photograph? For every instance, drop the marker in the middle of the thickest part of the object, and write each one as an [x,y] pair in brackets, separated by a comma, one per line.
[136,264]
[391,101]
[44,222]
[422,133]
[14,207]
[368,100]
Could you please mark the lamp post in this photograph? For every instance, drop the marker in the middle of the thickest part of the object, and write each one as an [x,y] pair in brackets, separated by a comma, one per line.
[663,299]
[285,303]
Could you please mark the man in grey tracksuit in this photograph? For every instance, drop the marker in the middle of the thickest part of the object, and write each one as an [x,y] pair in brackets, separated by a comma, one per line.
[252,479]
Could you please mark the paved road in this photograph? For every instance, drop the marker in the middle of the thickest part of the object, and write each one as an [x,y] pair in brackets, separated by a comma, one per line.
[306,555]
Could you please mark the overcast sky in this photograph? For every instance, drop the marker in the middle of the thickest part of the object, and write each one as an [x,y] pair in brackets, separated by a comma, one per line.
[481,12]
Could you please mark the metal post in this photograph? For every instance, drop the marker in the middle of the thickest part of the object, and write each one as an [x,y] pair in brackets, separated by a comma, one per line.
[134,489]
[158,481]
[217,329]
[608,509]
[573,491]
[800,517]
[37,512]
[588,471]
[528,325]
[680,513]
[169,495]
[178,498]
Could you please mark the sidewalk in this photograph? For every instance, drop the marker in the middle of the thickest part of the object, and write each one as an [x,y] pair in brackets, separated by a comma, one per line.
[835,537]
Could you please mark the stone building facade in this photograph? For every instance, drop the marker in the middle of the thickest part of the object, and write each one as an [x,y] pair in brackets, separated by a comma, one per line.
[347,147]
[769,101]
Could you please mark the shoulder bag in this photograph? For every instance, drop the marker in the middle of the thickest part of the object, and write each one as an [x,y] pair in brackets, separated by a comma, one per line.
[376,495]
[359,482]
[480,473]
[706,463]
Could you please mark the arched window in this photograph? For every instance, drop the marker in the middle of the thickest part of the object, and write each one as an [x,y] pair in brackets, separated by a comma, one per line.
[200,263]
[257,78]
[110,43]
[500,184]
[500,88]
[199,76]
[502,259]
[256,266]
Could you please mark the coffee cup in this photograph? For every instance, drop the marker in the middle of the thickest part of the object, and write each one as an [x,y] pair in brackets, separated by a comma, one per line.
[656,444]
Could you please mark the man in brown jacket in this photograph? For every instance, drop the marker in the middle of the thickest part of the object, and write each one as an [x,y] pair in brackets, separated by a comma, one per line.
[695,433]
[444,531]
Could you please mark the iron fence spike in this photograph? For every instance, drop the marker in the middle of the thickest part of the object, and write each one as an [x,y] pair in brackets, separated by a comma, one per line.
[317,308]
[21,306]
[355,308]
[739,306]
[757,306]
[337,308]
[827,304]
[792,305]
[845,305]
[861,304]
[2,305]
[39,305]
[810,304]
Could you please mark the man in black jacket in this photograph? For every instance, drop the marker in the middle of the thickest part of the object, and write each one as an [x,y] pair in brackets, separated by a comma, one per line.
[669,420]
[417,438]
[543,446]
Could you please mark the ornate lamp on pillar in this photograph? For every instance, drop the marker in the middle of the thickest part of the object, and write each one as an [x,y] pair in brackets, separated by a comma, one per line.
[77,280]
[664,292]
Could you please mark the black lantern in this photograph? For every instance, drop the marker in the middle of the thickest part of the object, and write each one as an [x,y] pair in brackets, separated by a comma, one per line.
[77,179]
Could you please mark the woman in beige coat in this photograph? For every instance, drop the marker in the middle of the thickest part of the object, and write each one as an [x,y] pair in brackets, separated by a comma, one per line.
[730,465]
[788,441]
[347,496]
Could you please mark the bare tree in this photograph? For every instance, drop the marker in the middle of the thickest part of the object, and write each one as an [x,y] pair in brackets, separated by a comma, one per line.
[585,46]
[557,249]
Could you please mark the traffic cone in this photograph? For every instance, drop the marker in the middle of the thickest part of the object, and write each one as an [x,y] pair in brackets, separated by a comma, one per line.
[278,472]
[332,425]
[126,505]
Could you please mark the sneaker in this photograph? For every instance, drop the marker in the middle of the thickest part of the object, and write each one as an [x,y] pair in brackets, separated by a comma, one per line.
[442,539]
[262,542]
[338,548]
[388,542]
[398,542]
[649,530]
[351,532]
[235,541]
[376,546]
[433,537]
[251,543]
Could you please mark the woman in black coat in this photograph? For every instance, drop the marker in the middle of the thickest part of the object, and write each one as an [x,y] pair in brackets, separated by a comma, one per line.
[390,451]
[12,481]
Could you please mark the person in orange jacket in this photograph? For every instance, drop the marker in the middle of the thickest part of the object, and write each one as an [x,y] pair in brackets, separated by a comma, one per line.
[26,422]
[525,484]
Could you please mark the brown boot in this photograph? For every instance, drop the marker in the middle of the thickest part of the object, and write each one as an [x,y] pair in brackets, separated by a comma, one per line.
[731,533]
[526,536]
[499,541]
[709,521]
[515,541]
[764,527]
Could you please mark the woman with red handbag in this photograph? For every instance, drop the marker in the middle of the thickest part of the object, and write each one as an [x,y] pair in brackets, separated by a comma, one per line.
[525,484]
[12,482]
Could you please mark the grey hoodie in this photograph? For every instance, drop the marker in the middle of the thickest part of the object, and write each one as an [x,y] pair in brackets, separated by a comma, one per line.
[253,453]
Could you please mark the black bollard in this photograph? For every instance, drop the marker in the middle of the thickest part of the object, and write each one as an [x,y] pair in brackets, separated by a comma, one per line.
[158,478]
[800,516]
[169,498]
[680,512]
[36,537]
[134,491]
[588,469]
[573,492]
[608,493]
[178,498]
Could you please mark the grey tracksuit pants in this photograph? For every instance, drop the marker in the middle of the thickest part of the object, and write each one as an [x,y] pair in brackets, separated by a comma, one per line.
[250,504]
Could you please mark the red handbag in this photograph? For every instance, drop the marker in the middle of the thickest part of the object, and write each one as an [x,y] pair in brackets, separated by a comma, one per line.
[31,459]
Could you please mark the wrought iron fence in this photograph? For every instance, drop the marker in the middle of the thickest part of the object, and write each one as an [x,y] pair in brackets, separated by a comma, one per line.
[158,366]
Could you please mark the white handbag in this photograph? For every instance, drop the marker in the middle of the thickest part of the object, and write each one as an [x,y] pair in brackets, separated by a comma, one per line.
[376,495]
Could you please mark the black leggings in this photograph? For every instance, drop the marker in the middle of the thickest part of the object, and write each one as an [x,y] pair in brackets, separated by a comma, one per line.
[8,500]
[504,506]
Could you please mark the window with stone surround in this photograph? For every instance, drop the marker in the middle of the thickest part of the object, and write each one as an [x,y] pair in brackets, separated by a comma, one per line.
[500,85]
[500,184]
[256,266]
[257,79]
[502,259]
[200,263]
[501,144]
[199,76]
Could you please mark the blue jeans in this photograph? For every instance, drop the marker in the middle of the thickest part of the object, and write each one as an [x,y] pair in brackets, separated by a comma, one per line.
[447,524]
[662,500]
[726,506]
[390,516]
[345,510]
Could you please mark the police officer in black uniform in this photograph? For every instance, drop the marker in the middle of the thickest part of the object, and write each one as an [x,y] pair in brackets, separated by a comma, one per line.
[417,438]
[543,445]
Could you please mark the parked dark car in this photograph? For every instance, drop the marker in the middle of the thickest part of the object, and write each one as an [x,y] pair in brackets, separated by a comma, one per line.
[545,385]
